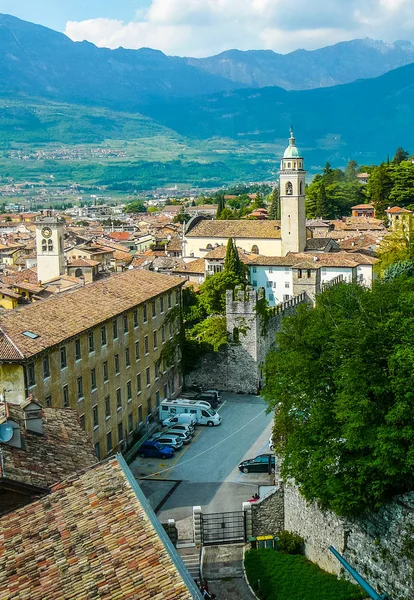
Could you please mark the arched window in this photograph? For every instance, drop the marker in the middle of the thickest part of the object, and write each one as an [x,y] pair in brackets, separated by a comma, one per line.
[255,249]
[301,188]
[288,165]
[289,188]
[44,246]
[78,273]
[294,165]
[209,247]
[49,245]
[236,335]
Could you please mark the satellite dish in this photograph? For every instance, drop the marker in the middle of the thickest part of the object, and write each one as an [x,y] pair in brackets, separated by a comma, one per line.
[6,432]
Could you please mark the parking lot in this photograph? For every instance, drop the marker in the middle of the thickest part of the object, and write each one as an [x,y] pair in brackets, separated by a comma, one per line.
[207,469]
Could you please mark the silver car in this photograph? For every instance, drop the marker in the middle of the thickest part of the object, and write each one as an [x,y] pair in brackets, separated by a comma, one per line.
[168,439]
[184,435]
[180,427]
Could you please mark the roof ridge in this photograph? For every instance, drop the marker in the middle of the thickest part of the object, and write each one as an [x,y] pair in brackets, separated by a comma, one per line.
[10,341]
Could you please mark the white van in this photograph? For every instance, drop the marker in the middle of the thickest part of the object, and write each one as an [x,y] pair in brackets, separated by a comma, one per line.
[202,414]
[181,419]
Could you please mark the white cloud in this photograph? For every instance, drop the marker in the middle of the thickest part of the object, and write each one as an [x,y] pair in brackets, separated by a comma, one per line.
[206,27]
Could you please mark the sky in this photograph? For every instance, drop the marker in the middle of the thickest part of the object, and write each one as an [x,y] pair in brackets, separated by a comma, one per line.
[207,27]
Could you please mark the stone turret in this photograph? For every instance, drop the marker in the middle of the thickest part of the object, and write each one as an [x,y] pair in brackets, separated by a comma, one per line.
[243,320]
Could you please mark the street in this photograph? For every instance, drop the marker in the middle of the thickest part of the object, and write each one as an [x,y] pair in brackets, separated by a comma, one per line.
[207,469]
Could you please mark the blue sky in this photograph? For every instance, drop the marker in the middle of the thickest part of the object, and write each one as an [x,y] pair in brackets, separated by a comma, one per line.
[206,27]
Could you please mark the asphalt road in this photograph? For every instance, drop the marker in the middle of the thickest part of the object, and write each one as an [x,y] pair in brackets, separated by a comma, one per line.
[208,467]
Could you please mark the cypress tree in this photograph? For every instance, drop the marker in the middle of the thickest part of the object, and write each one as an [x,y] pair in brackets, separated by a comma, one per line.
[274,210]
[220,205]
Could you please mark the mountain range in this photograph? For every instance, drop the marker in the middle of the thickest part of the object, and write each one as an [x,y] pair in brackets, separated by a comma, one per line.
[343,100]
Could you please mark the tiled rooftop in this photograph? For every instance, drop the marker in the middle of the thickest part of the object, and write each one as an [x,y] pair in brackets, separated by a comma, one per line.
[236,229]
[94,537]
[63,316]
[321,259]
[62,450]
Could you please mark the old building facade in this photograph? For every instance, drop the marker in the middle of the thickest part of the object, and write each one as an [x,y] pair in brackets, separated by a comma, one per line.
[101,349]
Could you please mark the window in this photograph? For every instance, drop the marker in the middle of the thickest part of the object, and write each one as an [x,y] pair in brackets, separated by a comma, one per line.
[148,376]
[82,421]
[49,245]
[127,358]
[268,284]
[140,413]
[287,284]
[254,269]
[44,246]
[163,334]
[91,342]
[169,300]
[103,336]
[286,297]
[155,339]
[255,249]
[154,309]
[136,350]
[289,189]
[105,371]
[107,407]
[115,329]
[135,317]
[80,388]
[65,396]
[162,304]
[271,298]
[139,388]
[145,313]
[130,423]
[120,436]
[95,416]
[299,274]
[254,283]
[78,351]
[165,390]
[118,399]
[270,269]
[46,367]
[309,273]
[48,401]
[98,450]
[109,442]
[93,379]
[63,360]
[146,346]
[157,398]
[129,391]
[301,188]
[116,364]
[149,406]
[287,270]
[156,370]
[125,318]
[171,329]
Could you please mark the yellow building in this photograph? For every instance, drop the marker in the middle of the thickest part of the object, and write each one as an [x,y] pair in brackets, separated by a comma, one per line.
[108,349]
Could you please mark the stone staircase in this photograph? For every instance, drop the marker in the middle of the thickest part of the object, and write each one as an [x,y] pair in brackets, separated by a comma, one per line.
[190,555]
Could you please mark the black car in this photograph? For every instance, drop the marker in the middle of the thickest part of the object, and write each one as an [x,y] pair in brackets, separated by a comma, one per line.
[264,463]
[210,397]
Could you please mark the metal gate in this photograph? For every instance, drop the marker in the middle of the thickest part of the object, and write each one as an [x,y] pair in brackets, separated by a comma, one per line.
[224,528]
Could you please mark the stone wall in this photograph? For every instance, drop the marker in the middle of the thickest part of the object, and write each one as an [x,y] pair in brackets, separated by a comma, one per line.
[376,545]
[268,514]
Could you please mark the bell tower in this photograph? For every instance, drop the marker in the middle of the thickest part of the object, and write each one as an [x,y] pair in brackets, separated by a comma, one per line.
[49,247]
[292,199]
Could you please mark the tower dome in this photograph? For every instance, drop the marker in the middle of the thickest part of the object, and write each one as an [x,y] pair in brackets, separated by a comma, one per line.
[291,151]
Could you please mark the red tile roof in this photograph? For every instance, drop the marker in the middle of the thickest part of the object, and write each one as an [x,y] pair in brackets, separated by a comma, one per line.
[119,235]
[397,210]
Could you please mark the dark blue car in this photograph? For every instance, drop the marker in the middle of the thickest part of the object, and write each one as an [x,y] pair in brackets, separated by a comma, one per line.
[153,449]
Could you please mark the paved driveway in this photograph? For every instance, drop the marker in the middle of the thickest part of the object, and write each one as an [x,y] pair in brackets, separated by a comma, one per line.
[207,468]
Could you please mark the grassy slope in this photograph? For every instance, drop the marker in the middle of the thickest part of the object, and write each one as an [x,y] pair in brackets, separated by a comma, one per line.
[293,577]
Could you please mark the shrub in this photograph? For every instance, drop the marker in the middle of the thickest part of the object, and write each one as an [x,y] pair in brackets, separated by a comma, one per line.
[290,543]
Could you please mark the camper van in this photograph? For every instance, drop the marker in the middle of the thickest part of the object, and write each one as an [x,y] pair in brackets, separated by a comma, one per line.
[203,414]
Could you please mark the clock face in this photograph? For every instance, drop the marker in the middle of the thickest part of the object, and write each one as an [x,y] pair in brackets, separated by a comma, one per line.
[46,232]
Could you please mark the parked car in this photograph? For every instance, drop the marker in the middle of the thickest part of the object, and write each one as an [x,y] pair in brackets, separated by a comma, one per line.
[264,463]
[211,392]
[168,439]
[180,428]
[153,449]
[210,397]
[182,419]
[185,436]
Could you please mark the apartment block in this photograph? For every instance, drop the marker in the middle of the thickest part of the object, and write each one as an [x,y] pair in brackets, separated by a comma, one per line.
[109,350]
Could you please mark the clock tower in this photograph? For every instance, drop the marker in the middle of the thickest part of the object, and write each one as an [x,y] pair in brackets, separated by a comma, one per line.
[49,247]
[292,199]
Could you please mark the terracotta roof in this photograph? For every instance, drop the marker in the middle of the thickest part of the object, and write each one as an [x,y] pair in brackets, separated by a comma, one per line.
[94,537]
[123,256]
[8,292]
[220,253]
[119,235]
[63,316]
[83,262]
[318,243]
[322,259]
[30,287]
[174,245]
[62,450]
[366,206]
[397,210]
[363,241]
[195,266]
[236,229]
[363,175]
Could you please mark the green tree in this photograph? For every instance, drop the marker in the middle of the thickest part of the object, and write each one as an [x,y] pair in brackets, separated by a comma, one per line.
[402,192]
[342,383]
[400,155]
[397,246]
[137,206]
[220,205]
[274,210]
[182,216]
[379,188]
[351,170]
[322,208]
